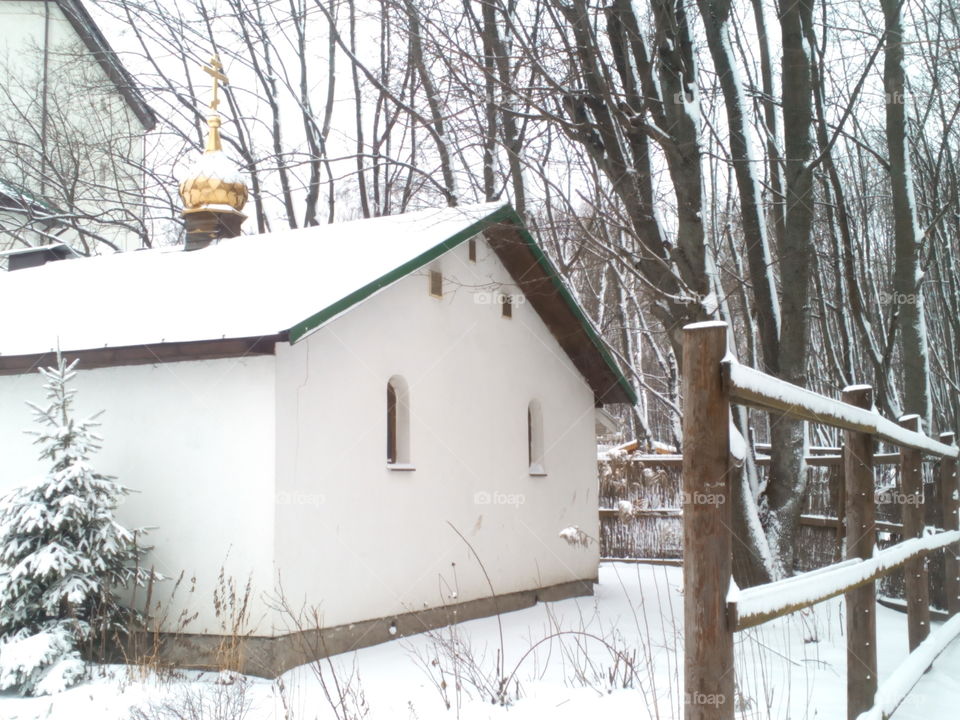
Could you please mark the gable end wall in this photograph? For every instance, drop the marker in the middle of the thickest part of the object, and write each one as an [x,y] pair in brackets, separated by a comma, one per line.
[362,541]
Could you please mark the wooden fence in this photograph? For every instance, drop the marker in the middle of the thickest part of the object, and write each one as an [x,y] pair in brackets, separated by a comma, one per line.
[714,609]
[651,528]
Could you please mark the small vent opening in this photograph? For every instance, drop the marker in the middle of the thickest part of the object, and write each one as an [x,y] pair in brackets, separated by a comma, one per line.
[436,283]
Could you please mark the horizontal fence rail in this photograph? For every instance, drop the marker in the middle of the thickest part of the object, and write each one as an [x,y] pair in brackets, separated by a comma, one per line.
[896,688]
[645,512]
[756,389]
[756,605]
[815,460]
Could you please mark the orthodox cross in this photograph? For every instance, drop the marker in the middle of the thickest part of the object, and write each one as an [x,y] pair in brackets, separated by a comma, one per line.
[214,71]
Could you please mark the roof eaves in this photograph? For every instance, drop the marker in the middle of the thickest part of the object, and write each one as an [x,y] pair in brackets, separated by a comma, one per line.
[16,198]
[108,59]
[151,354]
[551,271]
[61,248]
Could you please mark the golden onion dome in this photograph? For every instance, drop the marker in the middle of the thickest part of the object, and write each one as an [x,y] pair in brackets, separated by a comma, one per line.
[214,180]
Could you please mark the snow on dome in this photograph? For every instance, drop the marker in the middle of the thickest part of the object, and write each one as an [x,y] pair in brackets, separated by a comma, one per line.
[217,164]
[214,179]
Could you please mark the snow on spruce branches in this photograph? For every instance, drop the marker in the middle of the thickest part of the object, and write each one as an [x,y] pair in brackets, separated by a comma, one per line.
[62,554]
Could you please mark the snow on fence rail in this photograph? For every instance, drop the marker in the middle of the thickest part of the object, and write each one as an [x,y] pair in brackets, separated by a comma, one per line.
[714,608]
[752,387]
[908,673]
[762,457]
[757,605]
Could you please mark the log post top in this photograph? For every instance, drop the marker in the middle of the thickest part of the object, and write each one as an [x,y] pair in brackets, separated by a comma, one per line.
[910,422]
[705,324]
[859,395]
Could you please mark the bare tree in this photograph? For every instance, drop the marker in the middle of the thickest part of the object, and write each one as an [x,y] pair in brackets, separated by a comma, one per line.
[907,289]
[71,156]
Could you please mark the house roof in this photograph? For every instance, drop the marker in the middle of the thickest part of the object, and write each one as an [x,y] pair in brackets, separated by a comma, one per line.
[35,256]
[18,199]
[98,46]
[168,304]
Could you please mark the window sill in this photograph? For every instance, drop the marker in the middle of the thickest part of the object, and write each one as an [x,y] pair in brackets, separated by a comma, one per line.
[401,467]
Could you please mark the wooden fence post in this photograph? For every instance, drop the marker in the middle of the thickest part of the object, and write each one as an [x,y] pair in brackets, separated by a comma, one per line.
[950,501]
[916,584]
[860,512]
[707,540]
[836,474]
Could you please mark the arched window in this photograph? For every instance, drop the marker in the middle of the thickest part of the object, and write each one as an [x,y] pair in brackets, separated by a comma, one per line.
[398,422]
[535,438]
[391,424]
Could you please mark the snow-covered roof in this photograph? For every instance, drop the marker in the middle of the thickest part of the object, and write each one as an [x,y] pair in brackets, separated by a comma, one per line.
[282,284]
[248,286]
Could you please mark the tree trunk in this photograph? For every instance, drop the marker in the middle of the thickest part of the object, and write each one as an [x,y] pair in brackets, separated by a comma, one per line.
[907,289]
[716,15]
[788,469]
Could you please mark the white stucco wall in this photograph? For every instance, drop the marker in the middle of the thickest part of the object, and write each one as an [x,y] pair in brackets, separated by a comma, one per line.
[275,466]
[196,440]
[86,113]
[363,541]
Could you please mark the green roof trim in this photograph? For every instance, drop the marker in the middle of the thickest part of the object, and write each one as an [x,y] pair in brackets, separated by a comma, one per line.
[345,303]
[21,195]
[502,215]
[598,342]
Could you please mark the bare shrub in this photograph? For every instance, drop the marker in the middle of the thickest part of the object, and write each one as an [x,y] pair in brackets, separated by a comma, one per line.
[142,650]
[225,699]
[231,607]
[342,688]
[457,669]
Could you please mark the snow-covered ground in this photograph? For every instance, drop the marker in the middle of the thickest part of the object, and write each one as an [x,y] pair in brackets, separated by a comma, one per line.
[559,659]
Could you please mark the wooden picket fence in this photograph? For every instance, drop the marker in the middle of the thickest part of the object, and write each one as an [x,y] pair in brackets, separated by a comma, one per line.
[714,610]
[651,530]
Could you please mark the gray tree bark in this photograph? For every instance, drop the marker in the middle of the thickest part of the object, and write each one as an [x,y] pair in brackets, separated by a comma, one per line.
[907,278]
[788,474]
